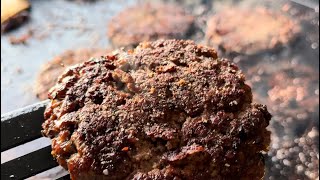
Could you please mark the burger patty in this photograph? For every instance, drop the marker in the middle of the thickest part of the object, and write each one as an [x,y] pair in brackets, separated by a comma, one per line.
[50,71]
[148,22]
[247,31]
[169,109]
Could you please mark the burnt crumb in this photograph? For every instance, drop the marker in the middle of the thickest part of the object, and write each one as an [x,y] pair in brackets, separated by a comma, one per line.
[50,71]
[131,115]
[248,31]
[22,39]
[19,70]
[147,22]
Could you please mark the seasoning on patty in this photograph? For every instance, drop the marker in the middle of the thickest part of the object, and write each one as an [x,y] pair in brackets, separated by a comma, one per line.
[169,109]
[49,72]
[149,22]
[13,13]
[247,31]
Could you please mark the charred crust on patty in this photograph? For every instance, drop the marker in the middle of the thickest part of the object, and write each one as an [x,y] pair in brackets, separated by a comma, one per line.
[50,71]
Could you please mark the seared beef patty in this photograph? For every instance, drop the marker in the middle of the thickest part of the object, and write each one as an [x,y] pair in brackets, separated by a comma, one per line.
[169,109]
[50,71]
[147,22]
[248,31]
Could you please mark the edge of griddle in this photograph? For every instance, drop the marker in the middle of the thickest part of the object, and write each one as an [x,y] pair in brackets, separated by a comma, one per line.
[22,125]
[25,110]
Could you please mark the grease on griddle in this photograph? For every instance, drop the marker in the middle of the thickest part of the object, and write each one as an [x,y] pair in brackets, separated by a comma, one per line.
[291,90]
[296,158]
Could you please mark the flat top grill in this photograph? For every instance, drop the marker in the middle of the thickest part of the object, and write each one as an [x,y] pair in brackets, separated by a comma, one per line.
[25,154]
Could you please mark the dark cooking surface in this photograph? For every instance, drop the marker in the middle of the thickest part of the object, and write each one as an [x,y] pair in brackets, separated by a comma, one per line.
[60,25]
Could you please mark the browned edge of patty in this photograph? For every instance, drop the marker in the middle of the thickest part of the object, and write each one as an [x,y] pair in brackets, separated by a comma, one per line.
[50,71]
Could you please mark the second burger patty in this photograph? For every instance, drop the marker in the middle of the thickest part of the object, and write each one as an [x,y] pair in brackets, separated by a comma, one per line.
[169,109]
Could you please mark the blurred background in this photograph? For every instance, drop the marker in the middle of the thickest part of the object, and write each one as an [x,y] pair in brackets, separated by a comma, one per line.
[275,43]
